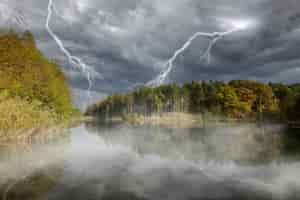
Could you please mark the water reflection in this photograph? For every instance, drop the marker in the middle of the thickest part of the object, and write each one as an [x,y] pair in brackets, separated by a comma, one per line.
[29,171]
[118,161]
[125,162]
[241,143]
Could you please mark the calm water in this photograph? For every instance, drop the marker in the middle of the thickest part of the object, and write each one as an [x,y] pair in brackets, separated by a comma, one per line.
[119,161]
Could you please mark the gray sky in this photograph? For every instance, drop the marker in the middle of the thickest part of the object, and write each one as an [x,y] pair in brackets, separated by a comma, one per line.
[128,41]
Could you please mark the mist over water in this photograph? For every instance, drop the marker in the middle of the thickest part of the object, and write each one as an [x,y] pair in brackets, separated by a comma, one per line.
[126,162]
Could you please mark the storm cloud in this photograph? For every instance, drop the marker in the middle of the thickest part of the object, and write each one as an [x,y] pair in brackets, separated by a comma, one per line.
[128,41]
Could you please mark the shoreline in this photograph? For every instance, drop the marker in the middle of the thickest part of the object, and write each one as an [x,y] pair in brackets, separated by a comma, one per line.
[181,120]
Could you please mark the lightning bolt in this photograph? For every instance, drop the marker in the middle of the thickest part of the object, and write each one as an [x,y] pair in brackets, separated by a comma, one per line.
[168,66]
[74,60]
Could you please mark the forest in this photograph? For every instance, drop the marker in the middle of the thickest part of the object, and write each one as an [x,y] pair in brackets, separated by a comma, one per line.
[33,90]
[237,99]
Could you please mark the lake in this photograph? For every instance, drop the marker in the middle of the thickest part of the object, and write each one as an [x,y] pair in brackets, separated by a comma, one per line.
[120,161]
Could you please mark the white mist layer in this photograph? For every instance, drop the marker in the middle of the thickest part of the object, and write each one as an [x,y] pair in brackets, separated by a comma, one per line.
[94,166]
[17,166]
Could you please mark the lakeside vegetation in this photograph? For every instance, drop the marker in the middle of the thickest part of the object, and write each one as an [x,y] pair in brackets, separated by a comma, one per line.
[237,99]
[33,90]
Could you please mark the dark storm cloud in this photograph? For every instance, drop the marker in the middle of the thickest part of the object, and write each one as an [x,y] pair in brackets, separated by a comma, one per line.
[128,41]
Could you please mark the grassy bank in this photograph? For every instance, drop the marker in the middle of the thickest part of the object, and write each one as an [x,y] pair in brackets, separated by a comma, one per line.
[169,120]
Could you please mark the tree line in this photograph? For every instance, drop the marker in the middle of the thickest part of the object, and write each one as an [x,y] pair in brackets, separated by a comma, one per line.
[26,73]
[33,90]
[238,99]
